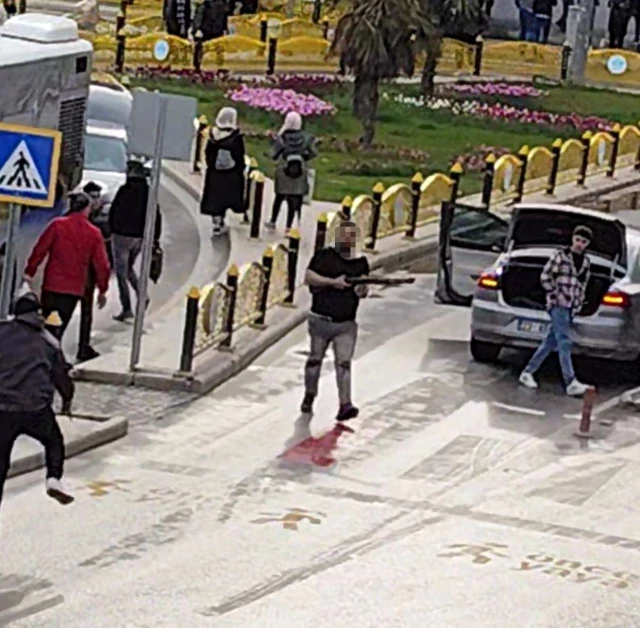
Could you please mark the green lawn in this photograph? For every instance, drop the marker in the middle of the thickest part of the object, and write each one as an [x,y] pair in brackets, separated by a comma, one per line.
[408,139]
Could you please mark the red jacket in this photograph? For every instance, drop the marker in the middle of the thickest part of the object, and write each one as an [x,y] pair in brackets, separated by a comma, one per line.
[72,245]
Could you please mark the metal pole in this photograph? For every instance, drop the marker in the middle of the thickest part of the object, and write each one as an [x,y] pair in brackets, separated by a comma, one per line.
[147,244]
[6,286]
[579,30]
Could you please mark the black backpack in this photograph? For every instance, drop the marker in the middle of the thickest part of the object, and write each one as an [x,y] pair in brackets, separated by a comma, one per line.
[294,166]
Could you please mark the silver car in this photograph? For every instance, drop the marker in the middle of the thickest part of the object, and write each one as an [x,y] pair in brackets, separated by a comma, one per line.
[493,266]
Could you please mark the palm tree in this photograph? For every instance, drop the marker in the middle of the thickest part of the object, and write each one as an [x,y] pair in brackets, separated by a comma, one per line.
[377,40]
[460,19]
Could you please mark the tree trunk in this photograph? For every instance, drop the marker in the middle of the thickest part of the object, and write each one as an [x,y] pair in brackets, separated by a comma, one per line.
[365,106]
[433,52]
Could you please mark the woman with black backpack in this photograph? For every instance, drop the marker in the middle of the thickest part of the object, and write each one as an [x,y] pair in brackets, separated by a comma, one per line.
[224,180]
[292,149]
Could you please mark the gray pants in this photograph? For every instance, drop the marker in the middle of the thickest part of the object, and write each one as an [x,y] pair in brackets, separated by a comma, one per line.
[342,336]
[125,253]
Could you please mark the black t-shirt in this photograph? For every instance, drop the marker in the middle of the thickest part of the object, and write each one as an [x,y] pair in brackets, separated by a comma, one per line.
[340,305]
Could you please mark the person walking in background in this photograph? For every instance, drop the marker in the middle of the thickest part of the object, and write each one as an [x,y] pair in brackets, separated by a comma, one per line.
[211,19]
[564,279]
[99,217]
[127,219]
[528,22]
[619,16]
[292,149]
[332,319]
[543,11]
[224,179]
[32,367]
[177,17]
[72,246]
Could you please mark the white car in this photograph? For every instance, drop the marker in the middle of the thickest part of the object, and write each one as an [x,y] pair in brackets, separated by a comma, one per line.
[105,157]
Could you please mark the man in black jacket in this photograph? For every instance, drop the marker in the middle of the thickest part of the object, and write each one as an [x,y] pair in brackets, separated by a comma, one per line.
[32,367]
[127,220]
[211,19]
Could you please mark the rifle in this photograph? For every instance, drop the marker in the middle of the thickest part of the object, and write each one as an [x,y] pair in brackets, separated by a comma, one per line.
[380,281]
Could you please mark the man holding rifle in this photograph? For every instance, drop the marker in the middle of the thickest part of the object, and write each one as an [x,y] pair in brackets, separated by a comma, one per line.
[332,319]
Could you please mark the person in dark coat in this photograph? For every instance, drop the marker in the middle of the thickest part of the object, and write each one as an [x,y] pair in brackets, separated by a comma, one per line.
[211,19]
[543,10]
[224,179]
[127,219]
[99,217]
[619,16]
[292,149]
[177,17]
[32,367]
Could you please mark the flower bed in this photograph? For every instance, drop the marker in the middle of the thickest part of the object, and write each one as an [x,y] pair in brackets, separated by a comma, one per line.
[506,113]
[281,101]
[507,90]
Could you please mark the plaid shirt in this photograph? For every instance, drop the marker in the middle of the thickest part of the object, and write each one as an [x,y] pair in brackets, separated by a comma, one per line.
[563,282]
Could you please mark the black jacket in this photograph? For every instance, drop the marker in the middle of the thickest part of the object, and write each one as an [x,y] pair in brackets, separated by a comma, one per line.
[211,19]
[224,189]
[32,366]
[129,210]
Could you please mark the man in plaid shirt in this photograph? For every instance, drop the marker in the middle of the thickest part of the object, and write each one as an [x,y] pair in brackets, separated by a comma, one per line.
[564,278]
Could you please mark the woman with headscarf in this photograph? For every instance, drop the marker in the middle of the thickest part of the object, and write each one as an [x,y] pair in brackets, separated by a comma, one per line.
[292,149]
[224,179]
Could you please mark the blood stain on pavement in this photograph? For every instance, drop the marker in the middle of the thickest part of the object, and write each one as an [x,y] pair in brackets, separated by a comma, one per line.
[317,451]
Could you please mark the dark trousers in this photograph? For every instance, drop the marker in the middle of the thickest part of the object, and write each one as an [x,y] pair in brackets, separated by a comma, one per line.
[64,304]
[86,315]
[40,425]
[618,24]
[294,206]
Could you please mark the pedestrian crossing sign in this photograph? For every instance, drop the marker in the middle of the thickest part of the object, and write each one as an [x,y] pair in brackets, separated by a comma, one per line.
[28,165]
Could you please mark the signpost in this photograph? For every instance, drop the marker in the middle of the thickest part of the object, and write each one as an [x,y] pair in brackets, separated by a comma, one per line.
[29,159]
[160,127]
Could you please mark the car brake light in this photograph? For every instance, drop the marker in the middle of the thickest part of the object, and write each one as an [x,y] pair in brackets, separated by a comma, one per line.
[488,281]
[616,299]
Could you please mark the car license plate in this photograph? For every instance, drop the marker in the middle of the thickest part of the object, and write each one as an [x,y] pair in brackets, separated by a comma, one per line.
[532,327]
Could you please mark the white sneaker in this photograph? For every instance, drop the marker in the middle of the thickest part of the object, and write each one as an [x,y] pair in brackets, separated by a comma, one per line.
[526,379]
[577,389]
[57,491]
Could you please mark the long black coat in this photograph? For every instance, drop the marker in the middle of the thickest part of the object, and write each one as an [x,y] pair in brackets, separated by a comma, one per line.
[224,189]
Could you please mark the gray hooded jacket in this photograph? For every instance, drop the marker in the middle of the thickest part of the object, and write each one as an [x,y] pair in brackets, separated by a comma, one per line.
[284,146]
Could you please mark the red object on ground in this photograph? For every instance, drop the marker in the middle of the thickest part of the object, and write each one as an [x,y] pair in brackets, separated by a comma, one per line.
[72,245]
[317,451]
[587,407]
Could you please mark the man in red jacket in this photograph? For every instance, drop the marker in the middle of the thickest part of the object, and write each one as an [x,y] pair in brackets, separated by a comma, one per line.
[72,246]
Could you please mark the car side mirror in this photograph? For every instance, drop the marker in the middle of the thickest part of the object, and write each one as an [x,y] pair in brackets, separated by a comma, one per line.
[498,245]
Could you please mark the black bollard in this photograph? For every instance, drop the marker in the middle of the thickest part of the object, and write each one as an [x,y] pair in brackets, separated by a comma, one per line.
[487,184]
[198,52]
[553,175]
[455,175]
[477,58]
[345,210]
[416,194]
[256,214]
[232,288]
[586,145]
[271,56]
[267,266]
[523,156]
[615,133]
[378,191]
[292,266]
[321,232]
[189,334]
[121,47]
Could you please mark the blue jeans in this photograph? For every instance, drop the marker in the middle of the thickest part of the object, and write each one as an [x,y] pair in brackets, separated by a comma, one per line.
[557,340]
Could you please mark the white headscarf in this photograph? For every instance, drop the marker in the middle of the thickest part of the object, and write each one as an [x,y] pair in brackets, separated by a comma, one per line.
[292,122]
[226,123]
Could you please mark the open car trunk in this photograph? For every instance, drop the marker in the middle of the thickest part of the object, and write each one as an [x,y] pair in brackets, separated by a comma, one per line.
[521,284]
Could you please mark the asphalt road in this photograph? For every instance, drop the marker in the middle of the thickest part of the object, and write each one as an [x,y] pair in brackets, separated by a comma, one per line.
[459,499]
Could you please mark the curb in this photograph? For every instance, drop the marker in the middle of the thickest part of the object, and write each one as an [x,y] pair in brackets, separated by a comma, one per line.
[109,431]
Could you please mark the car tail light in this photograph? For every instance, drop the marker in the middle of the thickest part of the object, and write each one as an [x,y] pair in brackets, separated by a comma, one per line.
[616,299]
[489,281]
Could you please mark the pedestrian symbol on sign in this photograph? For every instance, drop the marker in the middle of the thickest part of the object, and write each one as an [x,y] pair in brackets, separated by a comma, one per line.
[20,172]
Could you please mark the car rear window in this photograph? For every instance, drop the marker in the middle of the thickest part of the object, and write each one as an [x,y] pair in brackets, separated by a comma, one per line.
[547,228]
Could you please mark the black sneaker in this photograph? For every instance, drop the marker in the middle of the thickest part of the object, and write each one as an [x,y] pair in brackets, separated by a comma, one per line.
[88,353]
[307,404]
[123,317]
[346,412]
